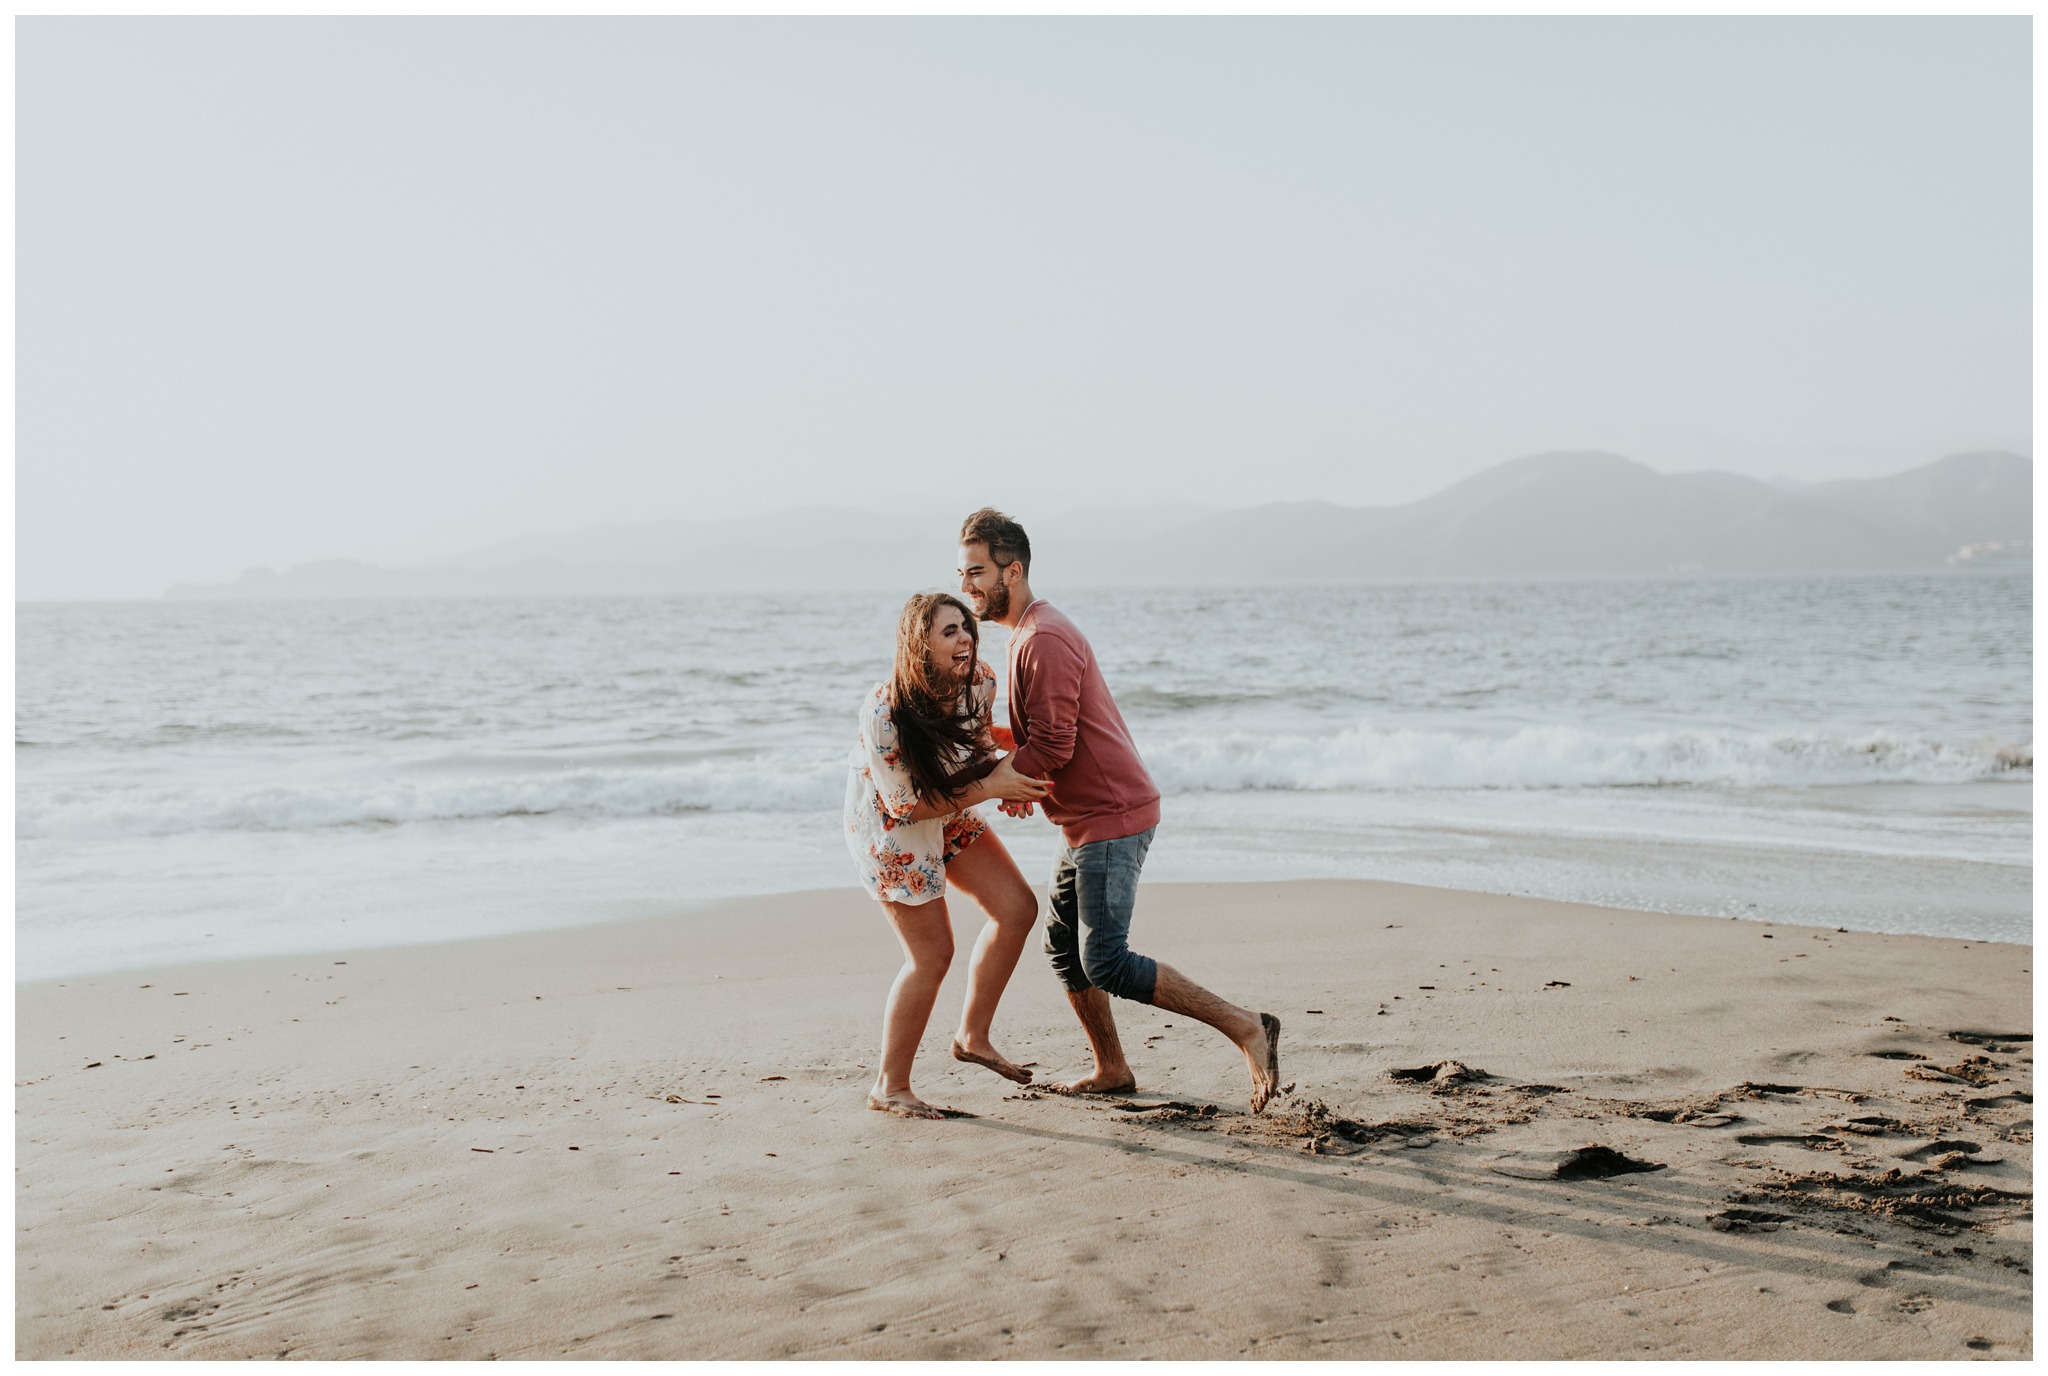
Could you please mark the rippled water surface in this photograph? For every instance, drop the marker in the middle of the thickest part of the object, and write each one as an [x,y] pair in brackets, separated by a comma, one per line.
[198,779]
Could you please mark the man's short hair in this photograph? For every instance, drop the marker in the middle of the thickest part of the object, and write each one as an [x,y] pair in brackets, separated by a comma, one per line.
[1007,543]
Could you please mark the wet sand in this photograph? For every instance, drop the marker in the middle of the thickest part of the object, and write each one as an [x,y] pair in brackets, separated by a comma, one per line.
[1517,1129]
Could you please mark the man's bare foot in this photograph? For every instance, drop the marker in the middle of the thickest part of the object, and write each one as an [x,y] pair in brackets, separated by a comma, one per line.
[1262,1053]
[904,1104]
[994,1060]
[1101,1082]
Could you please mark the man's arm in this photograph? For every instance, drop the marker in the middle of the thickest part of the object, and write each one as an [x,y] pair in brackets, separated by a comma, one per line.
[1049,671]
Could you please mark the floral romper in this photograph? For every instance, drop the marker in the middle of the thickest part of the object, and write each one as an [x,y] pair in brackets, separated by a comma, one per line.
[900,861]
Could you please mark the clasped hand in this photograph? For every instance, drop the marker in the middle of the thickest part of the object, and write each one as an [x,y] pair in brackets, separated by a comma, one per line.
[1017,792]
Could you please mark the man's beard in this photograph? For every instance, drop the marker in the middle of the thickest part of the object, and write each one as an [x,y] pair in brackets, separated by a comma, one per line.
[995,603]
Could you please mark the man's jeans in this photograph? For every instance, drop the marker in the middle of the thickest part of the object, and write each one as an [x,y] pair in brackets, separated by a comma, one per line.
[1094,887]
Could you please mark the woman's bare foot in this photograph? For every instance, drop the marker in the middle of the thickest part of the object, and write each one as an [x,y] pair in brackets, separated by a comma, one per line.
[1262,1053]
[1101,1082]
[903,1103]
[987,1055]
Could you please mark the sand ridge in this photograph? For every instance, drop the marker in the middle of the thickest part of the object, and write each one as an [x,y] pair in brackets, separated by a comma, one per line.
[648,1140]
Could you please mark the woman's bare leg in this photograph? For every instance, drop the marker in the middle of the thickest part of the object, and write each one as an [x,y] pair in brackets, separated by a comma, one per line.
[926,933]
[986,873]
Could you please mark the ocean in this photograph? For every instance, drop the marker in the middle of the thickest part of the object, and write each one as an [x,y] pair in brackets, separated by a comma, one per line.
[199,780]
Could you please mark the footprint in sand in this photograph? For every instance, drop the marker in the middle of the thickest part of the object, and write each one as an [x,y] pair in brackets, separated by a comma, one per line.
[1439,1075]
[1746,1220]
[1995,1041]
[2013,1100]
[1813,1141]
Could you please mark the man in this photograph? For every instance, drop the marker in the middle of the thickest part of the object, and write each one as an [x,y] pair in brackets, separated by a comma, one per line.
[1065,728]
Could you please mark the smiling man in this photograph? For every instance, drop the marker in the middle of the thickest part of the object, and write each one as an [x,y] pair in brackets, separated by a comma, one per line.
[1067,729]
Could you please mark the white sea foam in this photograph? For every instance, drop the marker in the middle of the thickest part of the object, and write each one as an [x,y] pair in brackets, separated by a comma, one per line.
[723,786]
[1538,757]
[1359,759]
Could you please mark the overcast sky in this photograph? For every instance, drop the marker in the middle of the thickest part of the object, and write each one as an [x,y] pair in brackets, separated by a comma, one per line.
[296,289]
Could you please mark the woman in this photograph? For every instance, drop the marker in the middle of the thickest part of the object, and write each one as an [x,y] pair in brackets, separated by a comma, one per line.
[927,754]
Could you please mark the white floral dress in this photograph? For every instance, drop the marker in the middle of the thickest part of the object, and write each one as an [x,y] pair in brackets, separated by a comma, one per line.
[902,861]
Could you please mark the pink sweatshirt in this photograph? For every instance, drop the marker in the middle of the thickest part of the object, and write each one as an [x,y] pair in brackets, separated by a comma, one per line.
[1068,730]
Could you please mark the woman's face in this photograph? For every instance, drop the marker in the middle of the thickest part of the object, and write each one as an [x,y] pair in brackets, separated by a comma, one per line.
[951,644]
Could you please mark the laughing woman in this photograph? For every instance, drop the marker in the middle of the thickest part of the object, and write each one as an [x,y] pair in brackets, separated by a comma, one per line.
[927,754]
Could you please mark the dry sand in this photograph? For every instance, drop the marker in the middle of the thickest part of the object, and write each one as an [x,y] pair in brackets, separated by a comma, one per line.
[648,1140]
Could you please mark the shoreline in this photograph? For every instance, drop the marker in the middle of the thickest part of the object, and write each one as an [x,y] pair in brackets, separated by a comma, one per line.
[644,1138]
[1202,834]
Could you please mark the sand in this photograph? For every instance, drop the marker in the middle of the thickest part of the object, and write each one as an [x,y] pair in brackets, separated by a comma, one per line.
[648,1140]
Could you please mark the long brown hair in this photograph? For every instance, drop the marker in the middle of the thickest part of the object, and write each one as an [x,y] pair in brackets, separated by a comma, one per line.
[935,723]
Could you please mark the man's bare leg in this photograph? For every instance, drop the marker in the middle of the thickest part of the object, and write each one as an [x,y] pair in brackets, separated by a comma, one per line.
[1112,1073]
[1256,1034]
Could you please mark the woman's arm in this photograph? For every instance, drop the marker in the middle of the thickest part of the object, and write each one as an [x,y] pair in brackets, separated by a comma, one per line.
[1002,782]
[975,792]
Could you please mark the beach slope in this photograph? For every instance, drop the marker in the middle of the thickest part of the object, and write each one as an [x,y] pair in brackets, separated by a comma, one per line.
[1517,1129]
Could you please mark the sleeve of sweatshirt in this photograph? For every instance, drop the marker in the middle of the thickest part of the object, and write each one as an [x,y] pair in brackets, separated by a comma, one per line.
[1049,671]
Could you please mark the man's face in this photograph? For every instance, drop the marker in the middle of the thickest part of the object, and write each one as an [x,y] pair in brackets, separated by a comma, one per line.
[982,583]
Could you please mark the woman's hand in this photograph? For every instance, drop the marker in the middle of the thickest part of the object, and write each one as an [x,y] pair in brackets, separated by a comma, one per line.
[1006,783]
[1002,782]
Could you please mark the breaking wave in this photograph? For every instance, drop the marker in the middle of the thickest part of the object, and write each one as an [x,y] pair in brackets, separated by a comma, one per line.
[723,785]
[1536,757]
[1358,759]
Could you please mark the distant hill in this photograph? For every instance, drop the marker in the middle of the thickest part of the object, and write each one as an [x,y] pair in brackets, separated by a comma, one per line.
[1576,514]
[1925,513]
[1548,515]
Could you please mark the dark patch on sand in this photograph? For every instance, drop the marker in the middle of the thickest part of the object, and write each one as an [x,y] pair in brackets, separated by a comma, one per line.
[1592,1162]
[1171,1110]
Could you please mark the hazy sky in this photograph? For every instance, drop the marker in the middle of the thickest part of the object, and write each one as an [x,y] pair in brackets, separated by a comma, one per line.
[292,289]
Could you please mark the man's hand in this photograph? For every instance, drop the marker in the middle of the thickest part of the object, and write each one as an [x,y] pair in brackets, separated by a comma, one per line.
[1006,783]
